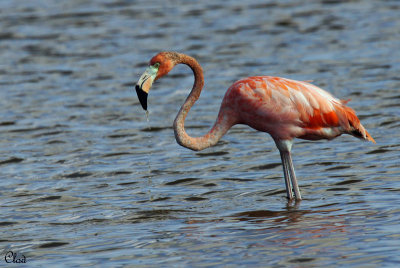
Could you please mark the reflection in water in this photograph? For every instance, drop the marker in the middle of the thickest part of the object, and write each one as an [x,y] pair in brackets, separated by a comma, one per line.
[276,232]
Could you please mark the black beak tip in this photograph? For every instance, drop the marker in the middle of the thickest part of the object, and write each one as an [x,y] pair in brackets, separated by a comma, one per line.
[142,97]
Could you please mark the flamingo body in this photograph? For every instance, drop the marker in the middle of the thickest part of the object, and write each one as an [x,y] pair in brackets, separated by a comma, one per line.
[288,109]
[284,108]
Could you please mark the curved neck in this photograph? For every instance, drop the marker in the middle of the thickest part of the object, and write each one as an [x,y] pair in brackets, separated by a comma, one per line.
[221,125]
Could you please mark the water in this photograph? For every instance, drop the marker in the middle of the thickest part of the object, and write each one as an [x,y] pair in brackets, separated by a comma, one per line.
[86,180]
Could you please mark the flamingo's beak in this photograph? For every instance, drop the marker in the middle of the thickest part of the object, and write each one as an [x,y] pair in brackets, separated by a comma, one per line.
[144,84]
[142,95]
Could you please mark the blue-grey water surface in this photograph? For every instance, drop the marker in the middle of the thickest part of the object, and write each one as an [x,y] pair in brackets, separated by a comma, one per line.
[86,180]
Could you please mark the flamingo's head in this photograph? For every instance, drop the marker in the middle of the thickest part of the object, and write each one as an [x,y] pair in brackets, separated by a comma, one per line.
[159,66]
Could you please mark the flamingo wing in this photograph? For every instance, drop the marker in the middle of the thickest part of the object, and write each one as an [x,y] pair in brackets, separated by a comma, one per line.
[288,109]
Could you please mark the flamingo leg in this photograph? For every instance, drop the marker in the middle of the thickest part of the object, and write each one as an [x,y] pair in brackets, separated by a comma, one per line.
[289,192]
[284,147]
[293,176]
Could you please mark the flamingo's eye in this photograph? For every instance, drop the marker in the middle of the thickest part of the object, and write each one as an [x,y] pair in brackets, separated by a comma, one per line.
[156,65]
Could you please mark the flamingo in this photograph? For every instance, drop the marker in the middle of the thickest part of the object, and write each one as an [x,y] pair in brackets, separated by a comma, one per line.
[284,108]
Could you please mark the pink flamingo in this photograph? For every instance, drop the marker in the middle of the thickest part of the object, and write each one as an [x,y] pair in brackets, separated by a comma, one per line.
[284,108]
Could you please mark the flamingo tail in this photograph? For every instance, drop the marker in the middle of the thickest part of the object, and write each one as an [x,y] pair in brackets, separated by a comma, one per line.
[356,129]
